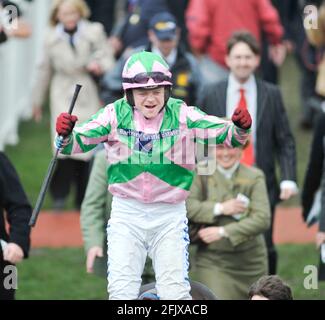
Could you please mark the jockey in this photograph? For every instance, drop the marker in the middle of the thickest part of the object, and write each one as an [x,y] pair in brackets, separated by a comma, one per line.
[150,142]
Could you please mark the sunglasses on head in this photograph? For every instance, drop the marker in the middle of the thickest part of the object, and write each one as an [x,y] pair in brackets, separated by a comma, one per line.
[143,78]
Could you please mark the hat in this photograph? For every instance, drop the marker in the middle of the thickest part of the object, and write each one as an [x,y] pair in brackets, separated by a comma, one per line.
[164,26]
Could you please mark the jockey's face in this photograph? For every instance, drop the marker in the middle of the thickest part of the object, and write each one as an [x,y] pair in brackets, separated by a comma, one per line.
[149,101]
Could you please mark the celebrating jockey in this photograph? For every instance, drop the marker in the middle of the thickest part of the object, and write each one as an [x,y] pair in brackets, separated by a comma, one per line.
[150,142]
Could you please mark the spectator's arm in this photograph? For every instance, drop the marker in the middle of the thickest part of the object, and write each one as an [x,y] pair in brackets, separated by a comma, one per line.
[43,77]
[315,166]
[270,21]
[198,25]
[285,144]
[198,209]
[258,219]
[94,206]
[102,53]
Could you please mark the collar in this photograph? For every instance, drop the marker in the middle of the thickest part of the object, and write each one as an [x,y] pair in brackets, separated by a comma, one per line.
[228,173]
[235,85]
[63,35]
[170,59]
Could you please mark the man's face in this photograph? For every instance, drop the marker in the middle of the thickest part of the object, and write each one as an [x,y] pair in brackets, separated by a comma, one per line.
[164,46]
[226,157]
[242,61]
[149,101]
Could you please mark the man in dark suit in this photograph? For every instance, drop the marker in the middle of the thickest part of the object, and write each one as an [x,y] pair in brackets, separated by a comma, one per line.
[271,136]
[15,245]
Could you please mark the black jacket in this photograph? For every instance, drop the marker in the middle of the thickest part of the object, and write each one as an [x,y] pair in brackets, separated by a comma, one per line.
[315,176]
[14,207]
[274,139]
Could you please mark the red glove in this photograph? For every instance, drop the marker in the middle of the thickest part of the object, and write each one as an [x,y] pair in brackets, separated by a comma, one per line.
[65,123]
[241,118]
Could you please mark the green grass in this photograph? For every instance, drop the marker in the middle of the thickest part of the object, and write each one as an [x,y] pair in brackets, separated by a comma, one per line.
[32,156]
[292,261]
[59,274]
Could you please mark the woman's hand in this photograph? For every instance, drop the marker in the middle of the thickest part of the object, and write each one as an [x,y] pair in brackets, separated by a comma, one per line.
[209,234]
[233,206]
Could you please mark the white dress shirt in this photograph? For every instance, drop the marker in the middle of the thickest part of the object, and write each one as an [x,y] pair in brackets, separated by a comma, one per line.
[170,59]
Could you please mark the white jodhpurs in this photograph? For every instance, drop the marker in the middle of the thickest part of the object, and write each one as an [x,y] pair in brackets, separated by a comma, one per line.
[136,229]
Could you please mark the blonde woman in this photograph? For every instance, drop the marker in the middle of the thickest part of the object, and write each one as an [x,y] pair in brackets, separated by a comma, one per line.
[75,50]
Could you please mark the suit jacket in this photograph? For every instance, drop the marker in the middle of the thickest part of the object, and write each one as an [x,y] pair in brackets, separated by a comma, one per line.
[274,139]
[14,202]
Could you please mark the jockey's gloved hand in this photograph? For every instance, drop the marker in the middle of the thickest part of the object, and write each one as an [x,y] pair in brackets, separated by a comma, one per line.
[65,123]
[241,118]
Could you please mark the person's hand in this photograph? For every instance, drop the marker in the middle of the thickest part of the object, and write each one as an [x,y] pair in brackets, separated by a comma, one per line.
[241,118]
[320,239]
[289,45]
[277,54]
[13,253]
[116,44]
[287,193]
[65,123]
[233,206]
[37,114]
[93,252]
[94,68]
[209,234]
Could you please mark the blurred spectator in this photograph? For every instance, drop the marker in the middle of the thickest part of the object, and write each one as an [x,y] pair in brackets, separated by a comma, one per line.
[133,31]
[271,136]
[178,9]
[164,36]
[270,288]
[316,59]
[16,211]
[103,11]
[232,253]
[17,65]
[292,14]
[315,179]
[95,212]
[75,51]
[211,23]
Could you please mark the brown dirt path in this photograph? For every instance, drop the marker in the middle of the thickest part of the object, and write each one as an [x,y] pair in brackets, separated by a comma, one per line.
[63,229]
